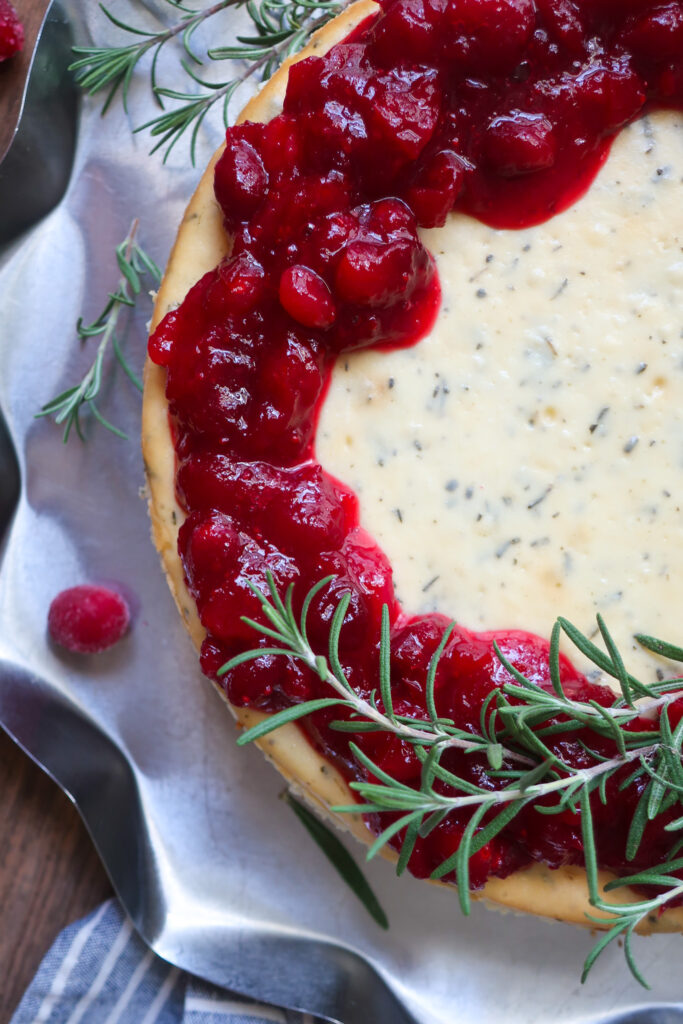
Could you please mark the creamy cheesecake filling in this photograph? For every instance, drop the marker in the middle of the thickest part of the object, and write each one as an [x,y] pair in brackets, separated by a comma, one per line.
[525,460]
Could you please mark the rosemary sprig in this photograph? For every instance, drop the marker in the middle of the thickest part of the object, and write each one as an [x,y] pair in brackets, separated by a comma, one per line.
[112,67]
[340,859]
[281,28]
[516,721]
[133,263]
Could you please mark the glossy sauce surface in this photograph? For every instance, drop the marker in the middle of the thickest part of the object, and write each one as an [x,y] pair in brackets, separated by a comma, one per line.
[508,115]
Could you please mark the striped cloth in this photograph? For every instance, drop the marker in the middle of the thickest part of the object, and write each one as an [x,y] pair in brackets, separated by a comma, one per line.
[99,971]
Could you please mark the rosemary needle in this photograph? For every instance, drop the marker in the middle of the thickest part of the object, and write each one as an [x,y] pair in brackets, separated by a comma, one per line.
[340,859]
[515,719]
[133,262]
[280,28]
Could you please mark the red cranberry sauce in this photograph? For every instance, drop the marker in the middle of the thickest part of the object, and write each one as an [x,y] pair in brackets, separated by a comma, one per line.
[501,108]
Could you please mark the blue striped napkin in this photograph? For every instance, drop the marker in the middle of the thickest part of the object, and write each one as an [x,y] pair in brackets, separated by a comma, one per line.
[99,971]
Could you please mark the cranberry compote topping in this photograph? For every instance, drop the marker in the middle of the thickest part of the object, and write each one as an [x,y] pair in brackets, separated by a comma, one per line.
[503,109]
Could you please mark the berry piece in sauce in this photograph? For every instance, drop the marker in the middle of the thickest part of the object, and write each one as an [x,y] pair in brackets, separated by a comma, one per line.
[88,619]
[520,144]
[306,297]
[11,31]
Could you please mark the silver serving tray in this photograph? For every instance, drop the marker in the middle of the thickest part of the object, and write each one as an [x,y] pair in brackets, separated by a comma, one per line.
[215,871]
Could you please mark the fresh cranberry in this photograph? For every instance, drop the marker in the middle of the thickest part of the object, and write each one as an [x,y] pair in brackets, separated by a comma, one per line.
[88,619]
[306,297]
[240,179]
[11,31]
[519,144]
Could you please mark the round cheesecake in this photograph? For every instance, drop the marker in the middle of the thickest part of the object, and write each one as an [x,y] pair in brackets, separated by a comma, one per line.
[201,244]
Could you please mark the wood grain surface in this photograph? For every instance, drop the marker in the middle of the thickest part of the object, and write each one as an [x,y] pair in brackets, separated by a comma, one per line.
[13,72]
[50,874]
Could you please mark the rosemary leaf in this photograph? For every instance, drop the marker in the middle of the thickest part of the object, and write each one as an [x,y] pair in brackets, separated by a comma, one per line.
[281,718]
[521,770]
[67,408]
[340,859]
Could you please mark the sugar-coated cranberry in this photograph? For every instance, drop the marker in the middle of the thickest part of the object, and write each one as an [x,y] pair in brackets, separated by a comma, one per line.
[240,179]
[520,143]
[11,31]
[485,36]
[306,297]
[88,619]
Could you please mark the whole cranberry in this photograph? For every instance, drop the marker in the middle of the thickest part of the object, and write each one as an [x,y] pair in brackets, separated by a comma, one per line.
[238,285]
[435,188]
[208,545]
[488,36]
[240,179]
[610,95]
[389,216]
[657,36]
[519,143]
[564,23]
[376,274]
[413,647]
[222,608]
[11,31]
[306,297]
[88,619]
[408,30]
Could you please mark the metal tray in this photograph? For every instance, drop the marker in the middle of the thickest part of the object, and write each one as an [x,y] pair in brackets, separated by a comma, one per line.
[214,870]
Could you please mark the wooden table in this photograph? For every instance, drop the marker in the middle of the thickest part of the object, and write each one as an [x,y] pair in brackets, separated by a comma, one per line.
[50,874]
